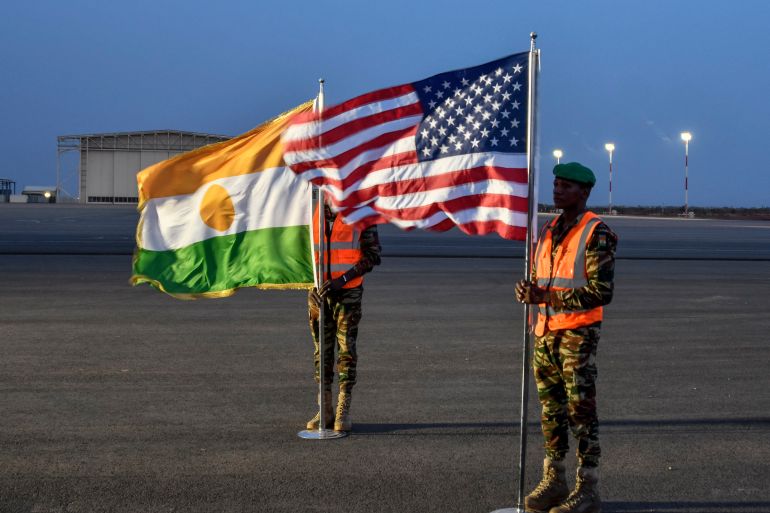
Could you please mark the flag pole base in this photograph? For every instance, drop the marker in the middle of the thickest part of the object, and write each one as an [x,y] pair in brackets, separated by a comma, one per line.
[509,510]
[321,434]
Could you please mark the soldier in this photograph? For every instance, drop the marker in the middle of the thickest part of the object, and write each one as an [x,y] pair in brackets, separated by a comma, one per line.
[572,278]
[349,254]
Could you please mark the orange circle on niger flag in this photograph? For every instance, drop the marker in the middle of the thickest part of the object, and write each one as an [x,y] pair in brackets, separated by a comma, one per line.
[217,209]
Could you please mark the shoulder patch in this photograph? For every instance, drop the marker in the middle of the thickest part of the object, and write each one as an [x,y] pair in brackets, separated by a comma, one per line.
[602,242]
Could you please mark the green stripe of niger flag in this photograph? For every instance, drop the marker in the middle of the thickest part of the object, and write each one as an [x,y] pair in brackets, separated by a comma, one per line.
[268,258]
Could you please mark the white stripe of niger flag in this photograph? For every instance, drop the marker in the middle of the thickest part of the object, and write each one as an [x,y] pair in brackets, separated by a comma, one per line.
[225,216]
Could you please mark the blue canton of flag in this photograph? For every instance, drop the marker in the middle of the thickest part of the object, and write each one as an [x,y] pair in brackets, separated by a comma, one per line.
[480,109]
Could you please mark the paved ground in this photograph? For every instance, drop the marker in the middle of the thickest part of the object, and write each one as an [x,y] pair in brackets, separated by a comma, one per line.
[110,230]
[121,399]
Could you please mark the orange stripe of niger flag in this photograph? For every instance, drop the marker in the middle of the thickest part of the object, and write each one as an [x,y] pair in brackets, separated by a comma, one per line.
[251,152]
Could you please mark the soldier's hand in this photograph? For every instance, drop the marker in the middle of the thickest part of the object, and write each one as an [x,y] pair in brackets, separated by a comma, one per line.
[332,286]
[316,297]
[528,292]
[522,290]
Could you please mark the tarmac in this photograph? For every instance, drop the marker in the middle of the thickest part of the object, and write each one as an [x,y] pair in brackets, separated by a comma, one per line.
[122,399]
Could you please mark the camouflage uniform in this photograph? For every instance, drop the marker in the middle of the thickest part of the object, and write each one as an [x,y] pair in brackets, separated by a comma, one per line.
[342,313]
[564,361]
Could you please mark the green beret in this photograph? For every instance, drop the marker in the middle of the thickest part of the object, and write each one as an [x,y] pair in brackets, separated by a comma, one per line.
[575,172]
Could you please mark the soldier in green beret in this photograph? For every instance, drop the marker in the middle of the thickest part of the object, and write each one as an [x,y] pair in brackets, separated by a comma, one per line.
[571,280]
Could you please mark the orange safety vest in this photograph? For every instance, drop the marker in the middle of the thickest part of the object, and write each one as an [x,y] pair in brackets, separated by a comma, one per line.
[341,253]
[563,271]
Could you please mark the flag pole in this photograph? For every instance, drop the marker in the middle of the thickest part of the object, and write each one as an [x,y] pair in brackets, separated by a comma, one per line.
[532,69]
[534,64]
[321,433]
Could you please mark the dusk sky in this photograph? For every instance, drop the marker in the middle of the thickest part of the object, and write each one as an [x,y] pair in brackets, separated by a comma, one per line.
[636,73]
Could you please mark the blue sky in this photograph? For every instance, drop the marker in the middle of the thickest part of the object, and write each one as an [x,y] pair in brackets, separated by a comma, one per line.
[636,73]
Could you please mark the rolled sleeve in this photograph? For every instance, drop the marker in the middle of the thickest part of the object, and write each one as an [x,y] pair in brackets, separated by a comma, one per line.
[371,251]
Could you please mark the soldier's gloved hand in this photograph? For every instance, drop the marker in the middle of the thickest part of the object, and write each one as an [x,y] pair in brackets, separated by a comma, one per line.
[528,292]
[332,286]
[316,297]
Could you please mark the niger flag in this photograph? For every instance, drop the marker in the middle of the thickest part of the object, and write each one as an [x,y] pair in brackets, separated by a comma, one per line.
[225,216]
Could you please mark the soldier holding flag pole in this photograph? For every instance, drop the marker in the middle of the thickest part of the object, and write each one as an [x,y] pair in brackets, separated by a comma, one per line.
[335,311]
[571,280]
[342,255]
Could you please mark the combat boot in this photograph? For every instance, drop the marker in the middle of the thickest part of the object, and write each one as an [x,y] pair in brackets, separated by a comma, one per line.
[552,489]
[328,413]
[343,422]
[585,497]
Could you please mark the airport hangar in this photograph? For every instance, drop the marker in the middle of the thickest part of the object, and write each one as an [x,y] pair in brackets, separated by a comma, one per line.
[104,167]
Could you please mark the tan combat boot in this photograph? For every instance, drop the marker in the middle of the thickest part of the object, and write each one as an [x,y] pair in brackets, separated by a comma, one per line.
[343,422]
[328,413]
[552,489]
[585,497]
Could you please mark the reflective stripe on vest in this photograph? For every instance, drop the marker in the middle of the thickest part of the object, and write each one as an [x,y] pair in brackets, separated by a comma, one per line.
[565,270]
[342,252]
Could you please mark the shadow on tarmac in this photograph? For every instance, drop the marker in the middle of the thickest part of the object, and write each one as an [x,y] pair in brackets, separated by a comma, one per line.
[483,428]
[674,507]
[442,428]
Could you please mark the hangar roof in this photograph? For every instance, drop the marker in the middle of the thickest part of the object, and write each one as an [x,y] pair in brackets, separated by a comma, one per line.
[144,132]
[175,140]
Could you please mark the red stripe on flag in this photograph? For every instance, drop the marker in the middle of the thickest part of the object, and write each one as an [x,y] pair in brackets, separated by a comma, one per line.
[365,99]
[362,223]
[359,101]
[351,128]
[505,201]
[504,230]
[408,158]
[428,183]
[364,123]
[344,158]
[443,226]
[472,228]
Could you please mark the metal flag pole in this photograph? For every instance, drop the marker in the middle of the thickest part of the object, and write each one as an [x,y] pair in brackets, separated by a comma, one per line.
[534,64]
[321,433]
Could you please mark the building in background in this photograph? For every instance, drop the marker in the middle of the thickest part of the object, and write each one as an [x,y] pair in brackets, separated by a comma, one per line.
[7,189]
[39,194]
[102,168]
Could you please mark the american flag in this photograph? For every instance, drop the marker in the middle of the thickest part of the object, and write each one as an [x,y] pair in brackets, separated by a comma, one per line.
[446,151]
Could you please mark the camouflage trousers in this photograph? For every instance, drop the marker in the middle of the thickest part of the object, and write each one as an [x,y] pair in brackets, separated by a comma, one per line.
[342,313]
[565,373]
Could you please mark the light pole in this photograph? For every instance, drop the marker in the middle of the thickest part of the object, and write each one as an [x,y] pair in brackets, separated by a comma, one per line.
[686,137]
[558,154]
[610,148]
